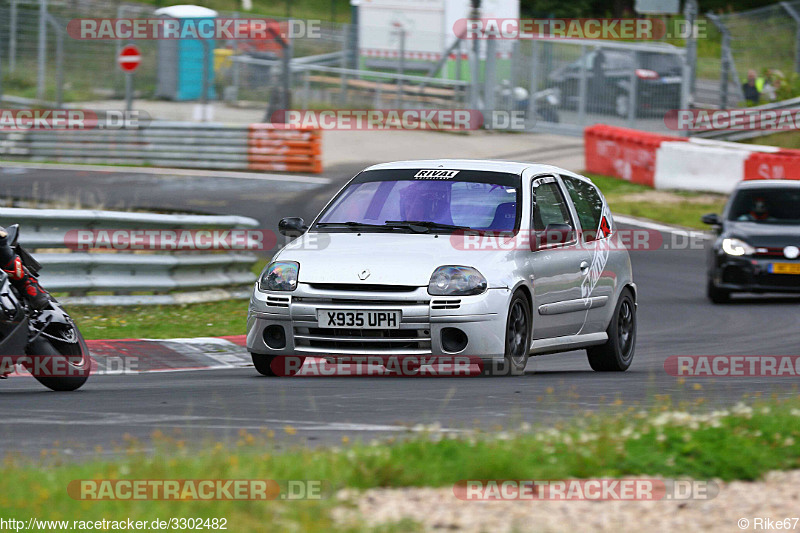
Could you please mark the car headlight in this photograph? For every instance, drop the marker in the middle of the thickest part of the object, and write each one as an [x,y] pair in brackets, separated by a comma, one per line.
[456,281]
[279,276]
[733,246]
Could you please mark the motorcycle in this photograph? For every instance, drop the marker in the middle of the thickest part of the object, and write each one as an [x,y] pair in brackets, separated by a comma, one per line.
[46,342]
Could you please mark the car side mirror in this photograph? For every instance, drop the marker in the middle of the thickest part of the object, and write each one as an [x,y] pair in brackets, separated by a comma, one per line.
[712,219]
[553,235]
[292,226]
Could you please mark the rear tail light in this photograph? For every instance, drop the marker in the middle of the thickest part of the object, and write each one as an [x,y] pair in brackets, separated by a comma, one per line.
[646,74]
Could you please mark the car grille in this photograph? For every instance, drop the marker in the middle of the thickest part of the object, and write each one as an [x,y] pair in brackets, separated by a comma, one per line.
[375,341]
[779,280]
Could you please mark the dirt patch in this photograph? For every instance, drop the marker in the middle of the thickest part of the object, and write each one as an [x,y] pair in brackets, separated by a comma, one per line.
[776,497]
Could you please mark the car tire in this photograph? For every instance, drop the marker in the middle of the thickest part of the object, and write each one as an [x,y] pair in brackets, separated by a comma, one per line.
[265,365]
[617,353]
[717,295]
[517,340]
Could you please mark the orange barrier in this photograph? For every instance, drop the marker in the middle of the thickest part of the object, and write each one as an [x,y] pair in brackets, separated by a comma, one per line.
[272,147]
[783,165]
[622,152]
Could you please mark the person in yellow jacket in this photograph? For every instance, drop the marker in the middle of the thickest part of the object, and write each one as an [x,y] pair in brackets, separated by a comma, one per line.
[753,87]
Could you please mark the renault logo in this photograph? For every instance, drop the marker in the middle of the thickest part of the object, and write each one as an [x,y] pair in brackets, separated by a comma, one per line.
[364,274]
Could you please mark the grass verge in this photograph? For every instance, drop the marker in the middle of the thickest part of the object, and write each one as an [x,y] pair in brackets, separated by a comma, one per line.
[743,442]
[212,319]
[681,208]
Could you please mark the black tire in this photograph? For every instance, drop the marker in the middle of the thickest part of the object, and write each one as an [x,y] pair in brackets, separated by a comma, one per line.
[518,340]
[78,362]
[617,353]
[717,295]
[266,365]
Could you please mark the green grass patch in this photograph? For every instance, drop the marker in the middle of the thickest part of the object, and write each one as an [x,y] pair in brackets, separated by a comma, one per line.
[786,139]
[674,441]
[681,208]
[212,319]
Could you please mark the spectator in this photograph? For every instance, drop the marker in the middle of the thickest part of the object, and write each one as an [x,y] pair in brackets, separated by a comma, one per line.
[774,78]
[752,87]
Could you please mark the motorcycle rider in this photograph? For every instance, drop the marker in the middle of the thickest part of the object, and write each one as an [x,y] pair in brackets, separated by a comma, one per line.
[19,276]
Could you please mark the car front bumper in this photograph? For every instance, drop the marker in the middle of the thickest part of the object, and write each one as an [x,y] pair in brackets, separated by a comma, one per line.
[423,317]
[752,274]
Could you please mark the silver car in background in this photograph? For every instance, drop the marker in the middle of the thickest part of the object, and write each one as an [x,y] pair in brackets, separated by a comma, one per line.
[488,259]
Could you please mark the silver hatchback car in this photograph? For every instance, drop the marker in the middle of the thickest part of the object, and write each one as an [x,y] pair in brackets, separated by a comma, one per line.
[488,259]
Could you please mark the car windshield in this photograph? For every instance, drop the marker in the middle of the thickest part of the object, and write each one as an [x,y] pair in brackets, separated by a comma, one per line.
[776,205]
[425,200]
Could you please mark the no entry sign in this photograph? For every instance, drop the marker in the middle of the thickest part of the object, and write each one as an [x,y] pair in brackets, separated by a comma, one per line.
[129,58]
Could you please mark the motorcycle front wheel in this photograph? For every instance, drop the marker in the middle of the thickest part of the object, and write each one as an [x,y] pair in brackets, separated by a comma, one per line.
[59,365]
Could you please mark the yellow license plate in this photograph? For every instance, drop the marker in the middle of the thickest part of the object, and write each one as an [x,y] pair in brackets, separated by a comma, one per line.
[785,268]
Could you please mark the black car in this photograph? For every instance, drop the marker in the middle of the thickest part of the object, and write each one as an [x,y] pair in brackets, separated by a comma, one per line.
[608,74]
[758,243]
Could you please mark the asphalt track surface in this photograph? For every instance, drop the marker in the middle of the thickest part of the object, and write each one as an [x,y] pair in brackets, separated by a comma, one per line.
[674,319]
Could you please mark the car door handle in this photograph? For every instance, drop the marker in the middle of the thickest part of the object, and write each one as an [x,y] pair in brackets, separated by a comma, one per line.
[584,267]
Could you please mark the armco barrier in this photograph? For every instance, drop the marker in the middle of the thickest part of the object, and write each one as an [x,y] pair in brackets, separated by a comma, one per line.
[264,147]
[625,153]
[211,276]
[667,162]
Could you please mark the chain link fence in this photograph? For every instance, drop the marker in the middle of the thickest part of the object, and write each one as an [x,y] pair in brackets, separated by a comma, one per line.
[559,86]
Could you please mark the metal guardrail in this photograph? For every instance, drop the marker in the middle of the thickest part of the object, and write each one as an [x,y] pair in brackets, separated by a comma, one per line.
[212,276]
[739,135]
[173,144]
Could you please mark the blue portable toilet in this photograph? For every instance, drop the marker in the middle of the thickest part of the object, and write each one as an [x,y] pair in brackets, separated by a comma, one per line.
[180,61]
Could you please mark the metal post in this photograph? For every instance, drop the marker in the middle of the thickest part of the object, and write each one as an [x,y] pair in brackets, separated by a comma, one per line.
[12,37]
[401,67]
[354,26]
[286,64]
[129,91]
[582,89]
[490,78]
[534,84]
[459,53]
[690,12]
[204,98]
[724,71]
[632,103]
[42,55]
[59,63]
[306,89]
[475,79]
[796,17]
[59,59]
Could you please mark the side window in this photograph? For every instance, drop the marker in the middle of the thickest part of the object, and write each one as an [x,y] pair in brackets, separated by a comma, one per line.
[588,204]
[549,206]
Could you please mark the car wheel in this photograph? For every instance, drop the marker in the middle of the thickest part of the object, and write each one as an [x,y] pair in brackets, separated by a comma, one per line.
[621,105]
[518,340]
[266,365]
[717,295]
[617,352]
